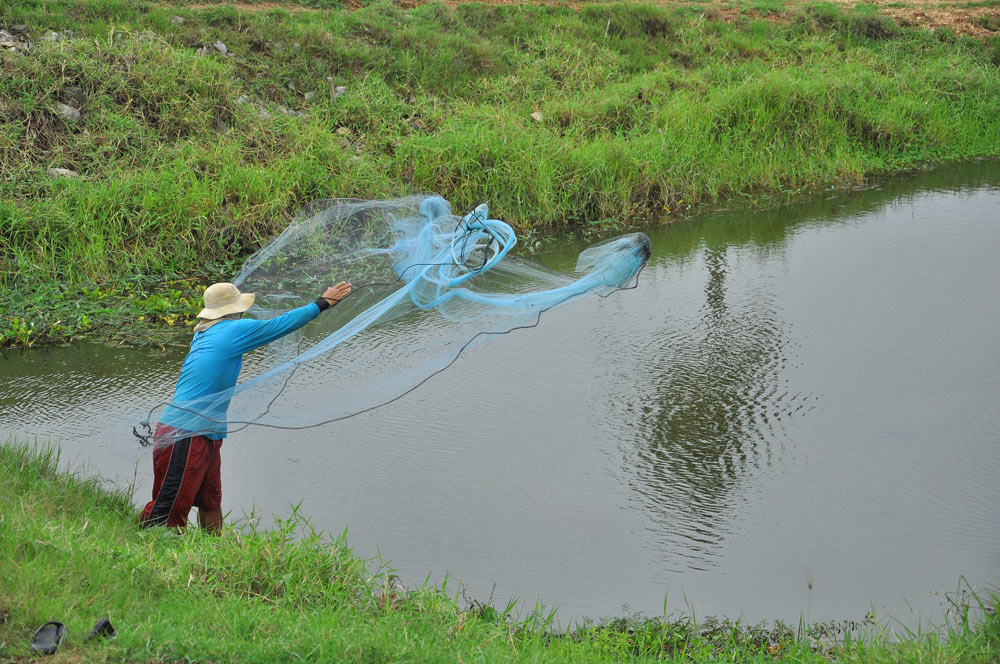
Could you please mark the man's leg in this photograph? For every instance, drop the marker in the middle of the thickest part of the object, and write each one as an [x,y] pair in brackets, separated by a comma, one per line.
[181,479]
[161,461]
[209,498]
[210,520]
[188,462]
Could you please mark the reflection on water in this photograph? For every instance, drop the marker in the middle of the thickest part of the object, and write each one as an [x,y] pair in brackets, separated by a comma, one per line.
[713,412]
[793,415]
[716,394]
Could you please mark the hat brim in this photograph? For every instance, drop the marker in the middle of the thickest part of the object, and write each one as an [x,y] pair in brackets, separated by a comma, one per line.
[244,302]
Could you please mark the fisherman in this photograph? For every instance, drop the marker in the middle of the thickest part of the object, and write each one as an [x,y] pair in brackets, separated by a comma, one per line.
[186,456]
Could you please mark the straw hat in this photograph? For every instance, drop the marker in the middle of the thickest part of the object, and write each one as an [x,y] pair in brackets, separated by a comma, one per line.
[223,299]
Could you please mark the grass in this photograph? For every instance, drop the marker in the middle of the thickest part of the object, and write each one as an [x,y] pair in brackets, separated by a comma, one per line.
[72,551]
[189,159]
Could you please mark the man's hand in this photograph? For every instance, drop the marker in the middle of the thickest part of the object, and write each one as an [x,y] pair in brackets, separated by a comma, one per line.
[335,294]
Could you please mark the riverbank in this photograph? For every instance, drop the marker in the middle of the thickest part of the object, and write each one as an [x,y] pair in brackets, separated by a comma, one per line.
[72,552]
[151,147]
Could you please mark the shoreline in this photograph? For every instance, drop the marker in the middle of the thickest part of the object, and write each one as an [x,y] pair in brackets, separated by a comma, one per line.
[159,315]
[289,593]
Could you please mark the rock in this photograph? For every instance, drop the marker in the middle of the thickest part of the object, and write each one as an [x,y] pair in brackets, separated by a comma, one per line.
[62,173]
[67,112]
[308,95]
[287,111]
[73,96]
[220,47]
[416,124]
[536,116]
[203,50]
[296,46]
[50,36]
[243,99]
[11,42]
[354,159]
[343,131]
[221,125]
[263,113]
[20,28]
[177,20]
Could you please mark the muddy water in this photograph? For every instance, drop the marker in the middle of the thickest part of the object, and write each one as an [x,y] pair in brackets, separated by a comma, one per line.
[795,414]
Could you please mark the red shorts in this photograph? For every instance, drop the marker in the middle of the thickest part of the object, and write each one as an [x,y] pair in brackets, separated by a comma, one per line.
[185,474]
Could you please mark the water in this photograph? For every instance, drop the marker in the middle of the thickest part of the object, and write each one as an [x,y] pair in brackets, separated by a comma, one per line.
[794,415]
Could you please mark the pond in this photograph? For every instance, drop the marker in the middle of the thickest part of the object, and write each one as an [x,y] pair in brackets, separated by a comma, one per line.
[794,415]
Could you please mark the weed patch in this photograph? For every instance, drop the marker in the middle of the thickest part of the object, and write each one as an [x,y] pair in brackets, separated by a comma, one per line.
[195,141]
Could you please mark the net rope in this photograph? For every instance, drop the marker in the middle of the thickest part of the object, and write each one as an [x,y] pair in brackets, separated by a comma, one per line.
[427,285]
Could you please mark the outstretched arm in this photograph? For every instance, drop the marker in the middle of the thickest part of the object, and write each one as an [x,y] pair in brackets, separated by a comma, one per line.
[260,332]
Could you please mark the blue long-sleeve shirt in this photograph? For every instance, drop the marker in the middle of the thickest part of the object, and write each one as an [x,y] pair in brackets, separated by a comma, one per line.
[213,364]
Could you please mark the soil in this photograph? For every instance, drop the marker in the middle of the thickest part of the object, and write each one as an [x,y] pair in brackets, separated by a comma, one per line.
[959,17]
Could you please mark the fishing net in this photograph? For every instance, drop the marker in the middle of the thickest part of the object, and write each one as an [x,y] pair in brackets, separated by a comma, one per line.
[427,285]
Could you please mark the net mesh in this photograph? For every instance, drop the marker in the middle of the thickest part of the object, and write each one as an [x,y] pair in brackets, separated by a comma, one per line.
[427,285]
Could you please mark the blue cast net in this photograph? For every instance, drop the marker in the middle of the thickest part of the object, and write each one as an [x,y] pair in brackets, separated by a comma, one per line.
[427,285]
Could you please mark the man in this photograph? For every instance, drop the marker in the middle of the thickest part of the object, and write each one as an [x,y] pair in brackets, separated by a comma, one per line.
[186,473]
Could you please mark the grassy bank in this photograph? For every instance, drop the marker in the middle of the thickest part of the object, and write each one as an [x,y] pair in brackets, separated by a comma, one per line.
[200,130]
[71,551]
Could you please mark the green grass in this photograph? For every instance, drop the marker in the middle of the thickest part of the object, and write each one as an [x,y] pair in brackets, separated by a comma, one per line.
[72,551]
[988,21]
[978,3]
[188,163]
